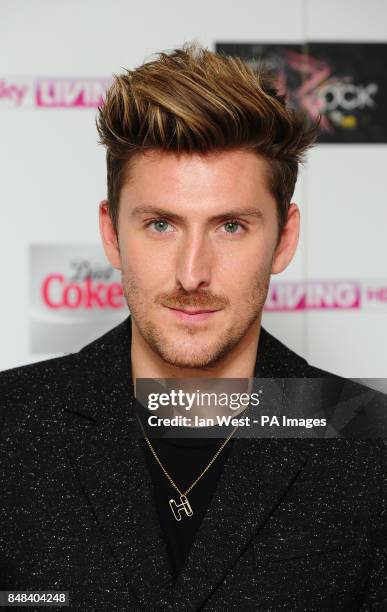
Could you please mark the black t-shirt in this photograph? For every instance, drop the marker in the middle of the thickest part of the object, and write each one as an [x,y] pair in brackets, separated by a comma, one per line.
[184,459]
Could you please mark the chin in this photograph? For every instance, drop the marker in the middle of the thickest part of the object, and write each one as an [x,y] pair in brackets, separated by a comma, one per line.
[188,362]
[192,354]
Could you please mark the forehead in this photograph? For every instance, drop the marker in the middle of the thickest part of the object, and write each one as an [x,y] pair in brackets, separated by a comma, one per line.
[237,177]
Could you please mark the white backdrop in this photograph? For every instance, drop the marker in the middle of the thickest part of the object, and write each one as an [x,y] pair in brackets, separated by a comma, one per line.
[53,171]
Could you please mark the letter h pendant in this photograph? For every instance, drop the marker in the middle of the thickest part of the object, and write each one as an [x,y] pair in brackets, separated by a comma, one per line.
[184,506]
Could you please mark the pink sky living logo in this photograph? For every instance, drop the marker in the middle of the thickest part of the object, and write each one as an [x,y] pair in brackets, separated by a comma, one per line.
[283,297]
[65,93]
[326,295]
[52,92]
[13,91]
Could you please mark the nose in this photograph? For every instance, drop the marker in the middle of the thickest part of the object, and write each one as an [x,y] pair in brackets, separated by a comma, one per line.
[194,262]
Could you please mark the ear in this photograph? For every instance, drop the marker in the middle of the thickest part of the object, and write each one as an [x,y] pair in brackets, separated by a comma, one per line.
[108,235]
[288,241]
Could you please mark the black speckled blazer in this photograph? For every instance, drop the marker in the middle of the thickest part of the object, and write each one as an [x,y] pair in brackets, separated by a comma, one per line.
[294,524]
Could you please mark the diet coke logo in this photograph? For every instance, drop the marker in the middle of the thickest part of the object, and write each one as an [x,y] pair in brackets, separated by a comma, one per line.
[75,295]
[89,287]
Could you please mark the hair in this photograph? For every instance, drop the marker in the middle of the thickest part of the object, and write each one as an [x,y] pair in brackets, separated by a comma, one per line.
[192,100]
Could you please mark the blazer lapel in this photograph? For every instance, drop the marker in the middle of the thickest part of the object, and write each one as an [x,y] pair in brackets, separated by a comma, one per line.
[255,477]
[108,458]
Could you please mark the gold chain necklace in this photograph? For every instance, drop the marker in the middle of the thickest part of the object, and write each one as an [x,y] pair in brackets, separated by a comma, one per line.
[184,505]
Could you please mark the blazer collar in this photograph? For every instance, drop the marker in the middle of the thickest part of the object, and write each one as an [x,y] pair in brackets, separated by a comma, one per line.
[108,457]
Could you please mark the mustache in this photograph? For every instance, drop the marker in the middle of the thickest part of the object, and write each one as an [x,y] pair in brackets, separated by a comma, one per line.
[194,300]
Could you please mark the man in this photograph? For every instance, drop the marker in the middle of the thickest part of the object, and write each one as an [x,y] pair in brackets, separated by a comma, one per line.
[202,159]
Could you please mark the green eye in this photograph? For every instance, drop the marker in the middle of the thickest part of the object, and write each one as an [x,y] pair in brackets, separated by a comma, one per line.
[161,225]
[231,226]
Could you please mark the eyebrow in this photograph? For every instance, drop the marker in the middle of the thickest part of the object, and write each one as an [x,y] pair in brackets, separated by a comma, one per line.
[229,214]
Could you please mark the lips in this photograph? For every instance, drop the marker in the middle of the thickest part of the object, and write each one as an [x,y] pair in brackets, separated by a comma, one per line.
[193,315]
[191,311]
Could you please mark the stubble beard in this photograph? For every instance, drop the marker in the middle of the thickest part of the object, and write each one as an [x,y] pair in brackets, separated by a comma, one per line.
[182,351]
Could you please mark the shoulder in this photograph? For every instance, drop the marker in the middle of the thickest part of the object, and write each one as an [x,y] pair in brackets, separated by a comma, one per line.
[275,358]
[29,392]
[24,389]
[354,409]
[16,382]
[22,383]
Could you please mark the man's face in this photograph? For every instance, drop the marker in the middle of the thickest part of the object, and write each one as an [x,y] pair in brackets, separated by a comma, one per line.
[197,237]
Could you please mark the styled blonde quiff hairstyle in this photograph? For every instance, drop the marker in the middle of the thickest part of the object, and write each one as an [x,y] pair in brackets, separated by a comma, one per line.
[192,100]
